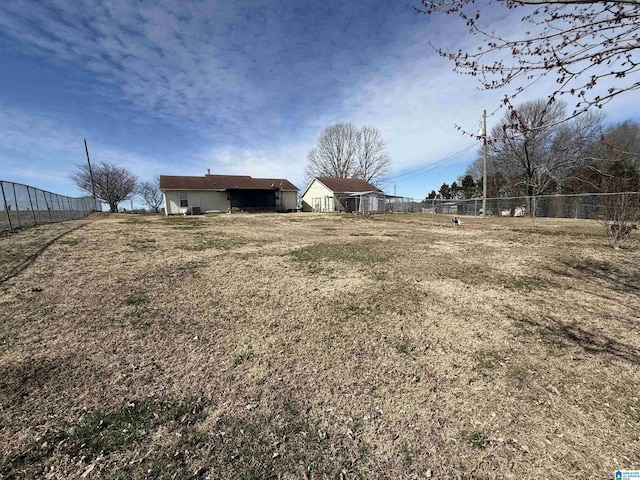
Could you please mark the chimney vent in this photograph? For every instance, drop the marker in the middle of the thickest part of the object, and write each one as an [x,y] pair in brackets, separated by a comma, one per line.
[208,171]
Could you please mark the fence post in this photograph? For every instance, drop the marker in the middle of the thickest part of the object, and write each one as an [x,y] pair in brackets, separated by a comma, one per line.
[35,194]
[59,207]
[15,199]
[533,198]
[49,205]
[32,210]
[4,200]
[71,215]
[54,215]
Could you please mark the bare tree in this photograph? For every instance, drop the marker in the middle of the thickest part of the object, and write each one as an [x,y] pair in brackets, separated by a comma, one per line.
[336,153]
[343,151]
[622,142]
[113,184]
[531,146]
[620,209]
[151,194]
[621,215]
[584,44]
[374,163]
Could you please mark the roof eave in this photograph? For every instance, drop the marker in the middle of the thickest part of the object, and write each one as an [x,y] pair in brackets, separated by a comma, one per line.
[178,189]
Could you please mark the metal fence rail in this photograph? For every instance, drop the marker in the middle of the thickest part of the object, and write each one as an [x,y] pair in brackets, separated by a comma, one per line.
[596,206]
[587,206]
[22,206]
[395,204]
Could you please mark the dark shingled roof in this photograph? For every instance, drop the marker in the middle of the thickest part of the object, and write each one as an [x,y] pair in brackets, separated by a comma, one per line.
[224,182]
[342,185]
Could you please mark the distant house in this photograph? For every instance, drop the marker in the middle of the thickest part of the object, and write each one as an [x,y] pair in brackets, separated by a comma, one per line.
[224,193]
[329,194]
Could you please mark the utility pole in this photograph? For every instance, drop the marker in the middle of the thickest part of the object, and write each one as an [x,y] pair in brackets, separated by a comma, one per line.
[484,164]
[93,183]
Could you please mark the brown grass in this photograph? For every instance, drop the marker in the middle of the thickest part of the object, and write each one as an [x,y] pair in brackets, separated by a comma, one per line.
[285,346]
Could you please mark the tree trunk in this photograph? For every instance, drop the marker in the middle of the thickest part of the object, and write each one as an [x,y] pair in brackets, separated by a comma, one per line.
[113,207]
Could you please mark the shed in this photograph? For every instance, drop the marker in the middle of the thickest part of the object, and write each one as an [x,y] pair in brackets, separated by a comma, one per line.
[330,194]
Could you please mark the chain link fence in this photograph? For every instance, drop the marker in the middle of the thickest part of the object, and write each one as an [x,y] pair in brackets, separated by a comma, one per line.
[593,206]
[366,203]
[22,206]
[397,204]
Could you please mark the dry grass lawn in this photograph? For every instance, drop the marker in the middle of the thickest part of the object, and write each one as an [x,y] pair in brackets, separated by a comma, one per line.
[313,346]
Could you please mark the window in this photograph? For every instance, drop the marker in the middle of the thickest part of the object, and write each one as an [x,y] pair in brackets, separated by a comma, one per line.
[183,199]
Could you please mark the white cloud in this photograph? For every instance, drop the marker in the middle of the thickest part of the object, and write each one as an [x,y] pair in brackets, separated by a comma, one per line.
[38,151]
[283,162]
[257,84]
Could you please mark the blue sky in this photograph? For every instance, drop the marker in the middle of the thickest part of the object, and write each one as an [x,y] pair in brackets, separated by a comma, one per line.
[238,87]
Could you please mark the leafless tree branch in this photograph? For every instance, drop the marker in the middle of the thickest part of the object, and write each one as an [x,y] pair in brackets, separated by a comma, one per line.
[151,194]
[584,44]
[343,151]
[113,184]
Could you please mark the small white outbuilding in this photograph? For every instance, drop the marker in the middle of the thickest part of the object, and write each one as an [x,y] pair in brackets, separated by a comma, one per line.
[330,194]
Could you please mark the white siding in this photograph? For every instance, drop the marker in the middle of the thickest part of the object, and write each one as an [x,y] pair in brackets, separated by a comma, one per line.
[318,198]
[164,203]
[373,202]
[206,200]
[289,200]
[216,201]
[172,203]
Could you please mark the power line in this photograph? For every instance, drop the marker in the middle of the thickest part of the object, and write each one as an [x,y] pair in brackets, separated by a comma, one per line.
[431,166]
[439,163]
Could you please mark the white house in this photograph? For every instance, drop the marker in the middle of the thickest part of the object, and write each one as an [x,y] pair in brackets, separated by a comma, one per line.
[329,194]
[224,193]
